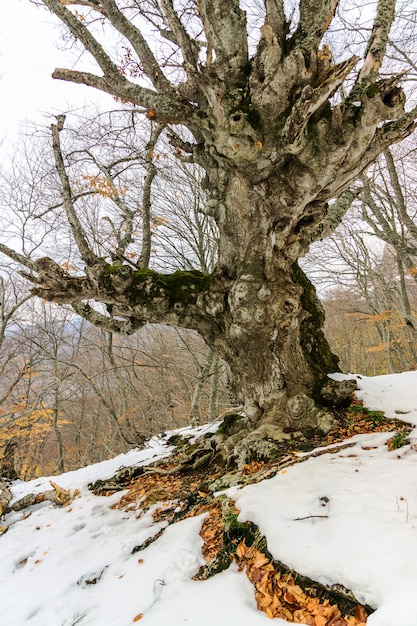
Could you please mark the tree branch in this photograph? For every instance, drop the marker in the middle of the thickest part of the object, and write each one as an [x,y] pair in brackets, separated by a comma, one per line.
[377,43]
[151,172]
[164,110]
[105,322]
[189,47]
[399,196]
[188,299]
[316,17]
[225,28]
[87,254]
[81,32]
[113,81]
[311,100]
[16,256]
[275,17]
[390,133]
[336,213]
[133,34]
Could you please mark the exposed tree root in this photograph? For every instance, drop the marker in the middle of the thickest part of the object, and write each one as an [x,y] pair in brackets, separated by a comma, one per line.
[5,497]
[56,495]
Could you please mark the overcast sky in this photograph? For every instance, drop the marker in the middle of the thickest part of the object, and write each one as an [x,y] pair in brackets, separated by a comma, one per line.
[29,52]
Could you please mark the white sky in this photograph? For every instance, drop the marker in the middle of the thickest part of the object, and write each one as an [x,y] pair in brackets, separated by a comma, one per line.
[29,52]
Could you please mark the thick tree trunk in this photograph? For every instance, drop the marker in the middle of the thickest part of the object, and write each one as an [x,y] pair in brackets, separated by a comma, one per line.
[274,344]
[271,334]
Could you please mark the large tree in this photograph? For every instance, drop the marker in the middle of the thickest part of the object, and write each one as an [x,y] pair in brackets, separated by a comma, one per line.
[280,129]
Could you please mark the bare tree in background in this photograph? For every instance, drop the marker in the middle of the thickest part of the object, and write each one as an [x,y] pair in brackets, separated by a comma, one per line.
[372,260]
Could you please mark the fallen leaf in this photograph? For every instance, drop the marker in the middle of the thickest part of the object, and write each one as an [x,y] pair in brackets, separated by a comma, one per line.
[360,613]
[138,617]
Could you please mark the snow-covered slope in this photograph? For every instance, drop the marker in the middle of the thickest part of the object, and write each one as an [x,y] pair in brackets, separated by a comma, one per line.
[348,517]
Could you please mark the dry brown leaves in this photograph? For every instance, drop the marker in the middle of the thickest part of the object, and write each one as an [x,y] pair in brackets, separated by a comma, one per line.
[212,529]
[361,424]
[252,468]
[148,490]
[279,596]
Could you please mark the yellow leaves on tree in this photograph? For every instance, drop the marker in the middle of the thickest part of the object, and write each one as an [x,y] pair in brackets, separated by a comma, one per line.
[158,221]
[103,186]
[377,348]
[381,316]
[27,428]
[31,424]
[67,267]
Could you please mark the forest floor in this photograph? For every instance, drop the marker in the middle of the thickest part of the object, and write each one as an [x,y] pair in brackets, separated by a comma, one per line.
[318,536]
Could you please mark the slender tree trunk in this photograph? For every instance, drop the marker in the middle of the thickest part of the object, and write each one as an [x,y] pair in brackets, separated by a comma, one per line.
[214,387]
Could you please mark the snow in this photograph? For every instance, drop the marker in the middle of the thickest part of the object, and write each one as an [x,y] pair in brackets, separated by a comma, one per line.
[348,516]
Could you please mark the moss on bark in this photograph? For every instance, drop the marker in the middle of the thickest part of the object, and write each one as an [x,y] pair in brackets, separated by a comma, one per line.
[313,342]
[145,285]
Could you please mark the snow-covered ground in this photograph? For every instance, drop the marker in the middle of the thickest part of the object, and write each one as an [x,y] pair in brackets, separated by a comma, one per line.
[346,517]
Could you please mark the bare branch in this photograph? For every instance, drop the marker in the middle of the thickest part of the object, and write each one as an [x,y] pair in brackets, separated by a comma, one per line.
[189,47]
[87,254]
[16,256]
[151,172]
[133,34]
[105,322]
[399,196]
[81,32]
[163,109]
[377,44]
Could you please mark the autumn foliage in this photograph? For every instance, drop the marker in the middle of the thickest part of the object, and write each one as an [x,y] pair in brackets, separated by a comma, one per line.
[279,596]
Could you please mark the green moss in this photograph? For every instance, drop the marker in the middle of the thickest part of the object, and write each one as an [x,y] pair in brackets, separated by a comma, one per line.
[177,440]
[113,269]
[310,433]
[189,450]
[372,90]
[374,418]
[399,440]
[218,564]
[181,286]
[228,426]
[313,342]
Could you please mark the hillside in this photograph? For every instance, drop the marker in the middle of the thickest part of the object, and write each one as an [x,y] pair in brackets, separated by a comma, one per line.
[344,513]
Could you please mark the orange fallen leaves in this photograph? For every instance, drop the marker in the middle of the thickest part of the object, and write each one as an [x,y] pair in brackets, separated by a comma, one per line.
[279,596]
[212,529]
[138,617]
[252,468]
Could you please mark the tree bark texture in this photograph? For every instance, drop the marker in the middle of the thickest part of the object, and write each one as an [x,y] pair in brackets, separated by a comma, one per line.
[278,139]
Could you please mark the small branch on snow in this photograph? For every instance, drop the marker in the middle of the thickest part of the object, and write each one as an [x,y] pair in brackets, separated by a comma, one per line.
[299,519]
